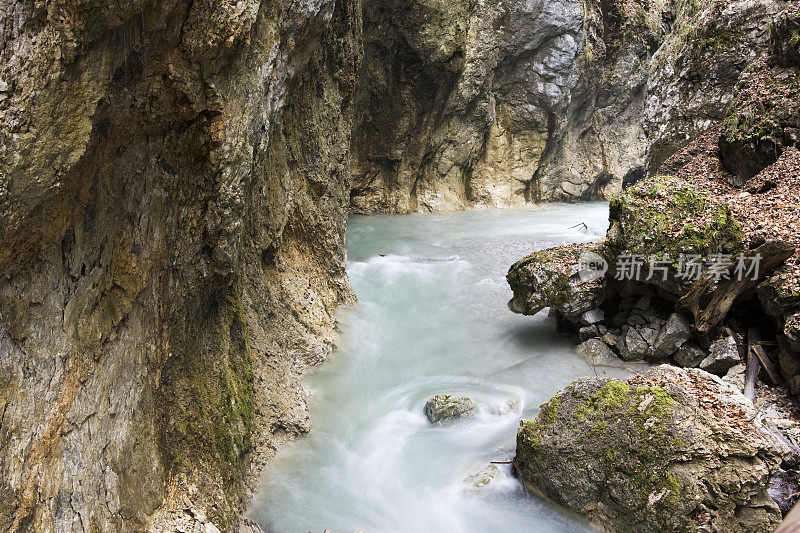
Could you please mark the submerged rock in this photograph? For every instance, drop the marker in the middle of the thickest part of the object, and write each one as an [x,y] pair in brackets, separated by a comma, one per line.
[484,477]
[724,355]
[446,407]
[509,407]
[669,450]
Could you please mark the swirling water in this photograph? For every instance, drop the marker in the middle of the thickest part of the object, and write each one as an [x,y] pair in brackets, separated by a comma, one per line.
[431,319]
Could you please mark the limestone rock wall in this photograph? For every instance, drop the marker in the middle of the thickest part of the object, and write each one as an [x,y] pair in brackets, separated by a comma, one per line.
[498,103]
[694,74]
[503,103]
[174,181]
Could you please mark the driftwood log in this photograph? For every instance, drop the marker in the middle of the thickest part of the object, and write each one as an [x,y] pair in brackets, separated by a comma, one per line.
[752,365]
[722,297]
[791,524]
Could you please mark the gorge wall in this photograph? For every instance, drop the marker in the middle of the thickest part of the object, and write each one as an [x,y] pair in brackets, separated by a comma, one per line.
[501,103]
[175,178]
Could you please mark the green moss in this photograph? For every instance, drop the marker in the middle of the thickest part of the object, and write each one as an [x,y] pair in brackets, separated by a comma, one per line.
[638,452]
[611,397]
[206,396]
[548,411]
[668,215]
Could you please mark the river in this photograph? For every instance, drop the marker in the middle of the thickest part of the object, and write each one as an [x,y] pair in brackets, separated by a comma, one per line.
[431,319]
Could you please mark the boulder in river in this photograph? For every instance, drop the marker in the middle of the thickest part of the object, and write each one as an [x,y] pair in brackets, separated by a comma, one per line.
[552,278]
[670,450]
[447,407]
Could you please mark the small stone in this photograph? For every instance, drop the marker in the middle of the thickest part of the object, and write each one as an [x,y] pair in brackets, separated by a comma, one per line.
[588,332]
[690,356]
[672,336]
[208,527]
[446,407]
[649,335]
[735,376]
[593,316]
[484,477]
[633,347]
[595,352]
[609,339]
[724,354]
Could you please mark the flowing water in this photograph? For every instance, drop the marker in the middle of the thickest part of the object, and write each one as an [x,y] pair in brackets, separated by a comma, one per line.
[431,319]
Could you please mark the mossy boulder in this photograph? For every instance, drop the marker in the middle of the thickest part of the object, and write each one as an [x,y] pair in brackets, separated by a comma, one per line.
[670,450]
[551,278]
[666,216]
[445,407]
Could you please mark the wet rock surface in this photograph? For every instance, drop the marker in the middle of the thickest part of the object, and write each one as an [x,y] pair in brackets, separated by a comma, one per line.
[446,407]
[670,450]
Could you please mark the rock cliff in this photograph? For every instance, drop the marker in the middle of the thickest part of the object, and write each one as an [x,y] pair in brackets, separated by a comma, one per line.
[174,181]
[502,103]
[175,178]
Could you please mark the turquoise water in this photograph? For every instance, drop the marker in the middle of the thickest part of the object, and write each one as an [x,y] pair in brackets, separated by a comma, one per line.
[431,319]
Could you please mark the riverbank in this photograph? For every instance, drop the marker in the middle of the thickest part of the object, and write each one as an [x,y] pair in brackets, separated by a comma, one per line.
[701,272]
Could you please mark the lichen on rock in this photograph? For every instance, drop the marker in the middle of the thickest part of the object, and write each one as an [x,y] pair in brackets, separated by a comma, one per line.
[551,278]
[671,450]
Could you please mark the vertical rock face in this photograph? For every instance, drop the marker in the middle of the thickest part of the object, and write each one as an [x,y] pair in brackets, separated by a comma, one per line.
[502,103]
[498,103]
[174,180]
[457,100]
[695,71]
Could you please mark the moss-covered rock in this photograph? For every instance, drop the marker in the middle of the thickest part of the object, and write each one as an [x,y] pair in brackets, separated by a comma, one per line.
[671,450]
[207,394]
[669,216]
[551,278]
[445,407]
